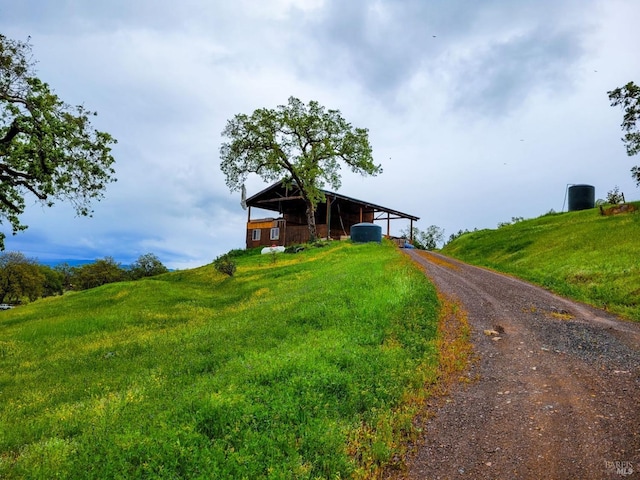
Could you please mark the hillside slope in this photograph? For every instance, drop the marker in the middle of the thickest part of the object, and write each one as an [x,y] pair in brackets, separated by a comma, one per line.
[582,255]
[300,366]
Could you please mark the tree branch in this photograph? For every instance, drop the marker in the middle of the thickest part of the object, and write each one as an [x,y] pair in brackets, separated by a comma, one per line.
[9,205]
[11,133]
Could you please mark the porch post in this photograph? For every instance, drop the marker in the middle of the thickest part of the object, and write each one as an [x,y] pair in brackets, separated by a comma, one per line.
[247,233]
[328,217]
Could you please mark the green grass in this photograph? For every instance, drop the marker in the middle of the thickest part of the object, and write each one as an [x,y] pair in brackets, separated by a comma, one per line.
[306,367]
[582,255]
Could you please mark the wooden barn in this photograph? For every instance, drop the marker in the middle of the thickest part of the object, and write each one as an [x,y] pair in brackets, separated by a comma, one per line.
[334,217]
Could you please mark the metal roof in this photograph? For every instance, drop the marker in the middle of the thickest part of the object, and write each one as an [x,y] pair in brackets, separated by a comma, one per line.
[278,198]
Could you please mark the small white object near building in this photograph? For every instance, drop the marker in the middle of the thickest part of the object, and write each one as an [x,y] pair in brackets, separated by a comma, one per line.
[272,249]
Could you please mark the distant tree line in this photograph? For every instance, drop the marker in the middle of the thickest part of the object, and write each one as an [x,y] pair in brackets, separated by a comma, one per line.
[460,233]
[24,279]
[424,240]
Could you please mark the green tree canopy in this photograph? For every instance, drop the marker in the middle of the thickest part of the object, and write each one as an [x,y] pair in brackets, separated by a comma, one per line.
[628,97]
[101,272]
[147,265]
[20,277]
[425,240]
[48,149]
[53,281]
[302,144]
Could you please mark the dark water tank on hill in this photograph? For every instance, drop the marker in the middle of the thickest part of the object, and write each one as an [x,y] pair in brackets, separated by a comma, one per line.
[581,197]
[366,232]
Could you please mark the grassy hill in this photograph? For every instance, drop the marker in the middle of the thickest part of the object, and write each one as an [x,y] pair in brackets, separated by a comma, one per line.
[308,365]
[583,255]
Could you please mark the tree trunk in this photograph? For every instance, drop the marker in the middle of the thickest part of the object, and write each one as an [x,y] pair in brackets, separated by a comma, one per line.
[311,222]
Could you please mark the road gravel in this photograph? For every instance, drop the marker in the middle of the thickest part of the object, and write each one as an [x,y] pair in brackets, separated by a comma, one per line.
[553,391]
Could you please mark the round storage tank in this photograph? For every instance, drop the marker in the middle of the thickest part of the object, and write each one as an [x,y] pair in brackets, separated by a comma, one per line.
[366,232]
[581,197]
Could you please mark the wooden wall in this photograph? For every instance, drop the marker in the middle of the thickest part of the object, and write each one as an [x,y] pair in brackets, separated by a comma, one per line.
[289,234]
[294,229]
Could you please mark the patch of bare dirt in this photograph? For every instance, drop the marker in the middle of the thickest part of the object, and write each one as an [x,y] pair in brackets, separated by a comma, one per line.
[553,391]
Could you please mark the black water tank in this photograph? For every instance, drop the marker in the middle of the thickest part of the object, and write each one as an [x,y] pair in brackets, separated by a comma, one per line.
[366,232]
[581,197]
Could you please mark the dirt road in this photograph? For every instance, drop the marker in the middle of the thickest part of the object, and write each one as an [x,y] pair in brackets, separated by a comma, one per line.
[554,390]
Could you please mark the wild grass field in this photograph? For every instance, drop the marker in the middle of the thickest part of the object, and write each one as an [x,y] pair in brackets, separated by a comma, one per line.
[300,366]
[582,255]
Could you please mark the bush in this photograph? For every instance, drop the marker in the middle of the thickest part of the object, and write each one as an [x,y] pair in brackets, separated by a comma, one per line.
[225,264]
[239,252]
[615,196]
[147,265]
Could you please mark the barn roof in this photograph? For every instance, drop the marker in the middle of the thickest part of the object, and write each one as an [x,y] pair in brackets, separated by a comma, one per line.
[279,198]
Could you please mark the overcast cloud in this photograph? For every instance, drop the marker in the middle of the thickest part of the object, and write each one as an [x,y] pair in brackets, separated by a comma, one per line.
[477,111]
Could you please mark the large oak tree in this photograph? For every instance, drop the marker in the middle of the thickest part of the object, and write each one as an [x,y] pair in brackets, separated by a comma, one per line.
[628,97]
[48,149]
[20,277]
[304,145]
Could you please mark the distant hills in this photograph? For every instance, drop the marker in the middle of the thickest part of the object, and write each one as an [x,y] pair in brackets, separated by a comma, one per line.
[73,262]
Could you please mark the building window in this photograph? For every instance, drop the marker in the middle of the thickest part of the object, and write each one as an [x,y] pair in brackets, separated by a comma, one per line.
[275,234]
[255,235]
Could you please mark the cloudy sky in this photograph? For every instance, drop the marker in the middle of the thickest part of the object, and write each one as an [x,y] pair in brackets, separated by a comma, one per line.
[477,111]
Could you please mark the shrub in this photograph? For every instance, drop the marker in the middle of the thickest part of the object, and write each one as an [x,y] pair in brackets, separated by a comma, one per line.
[294,249]
[225,264]
[615,196]
[241,252]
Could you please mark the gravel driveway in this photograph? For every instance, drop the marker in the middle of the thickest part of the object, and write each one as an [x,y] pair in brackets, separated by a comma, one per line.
[554,390]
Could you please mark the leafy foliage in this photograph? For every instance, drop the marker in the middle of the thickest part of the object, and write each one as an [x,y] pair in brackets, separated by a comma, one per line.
[147,265]
[47,148]
[23,279]
[225,264]
[20,278]
[53,281]
[107,270]
[65,271]
[628,97]
[304,144]
[425,240]
[615,196]
[101,272]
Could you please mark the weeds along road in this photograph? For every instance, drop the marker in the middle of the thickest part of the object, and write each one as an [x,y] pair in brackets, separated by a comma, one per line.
[552,393]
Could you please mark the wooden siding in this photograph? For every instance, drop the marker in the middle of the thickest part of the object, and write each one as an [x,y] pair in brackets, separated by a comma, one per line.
[264,223]
[294,230]
[289,235]
[296,234]
[334,217]
[287,199]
